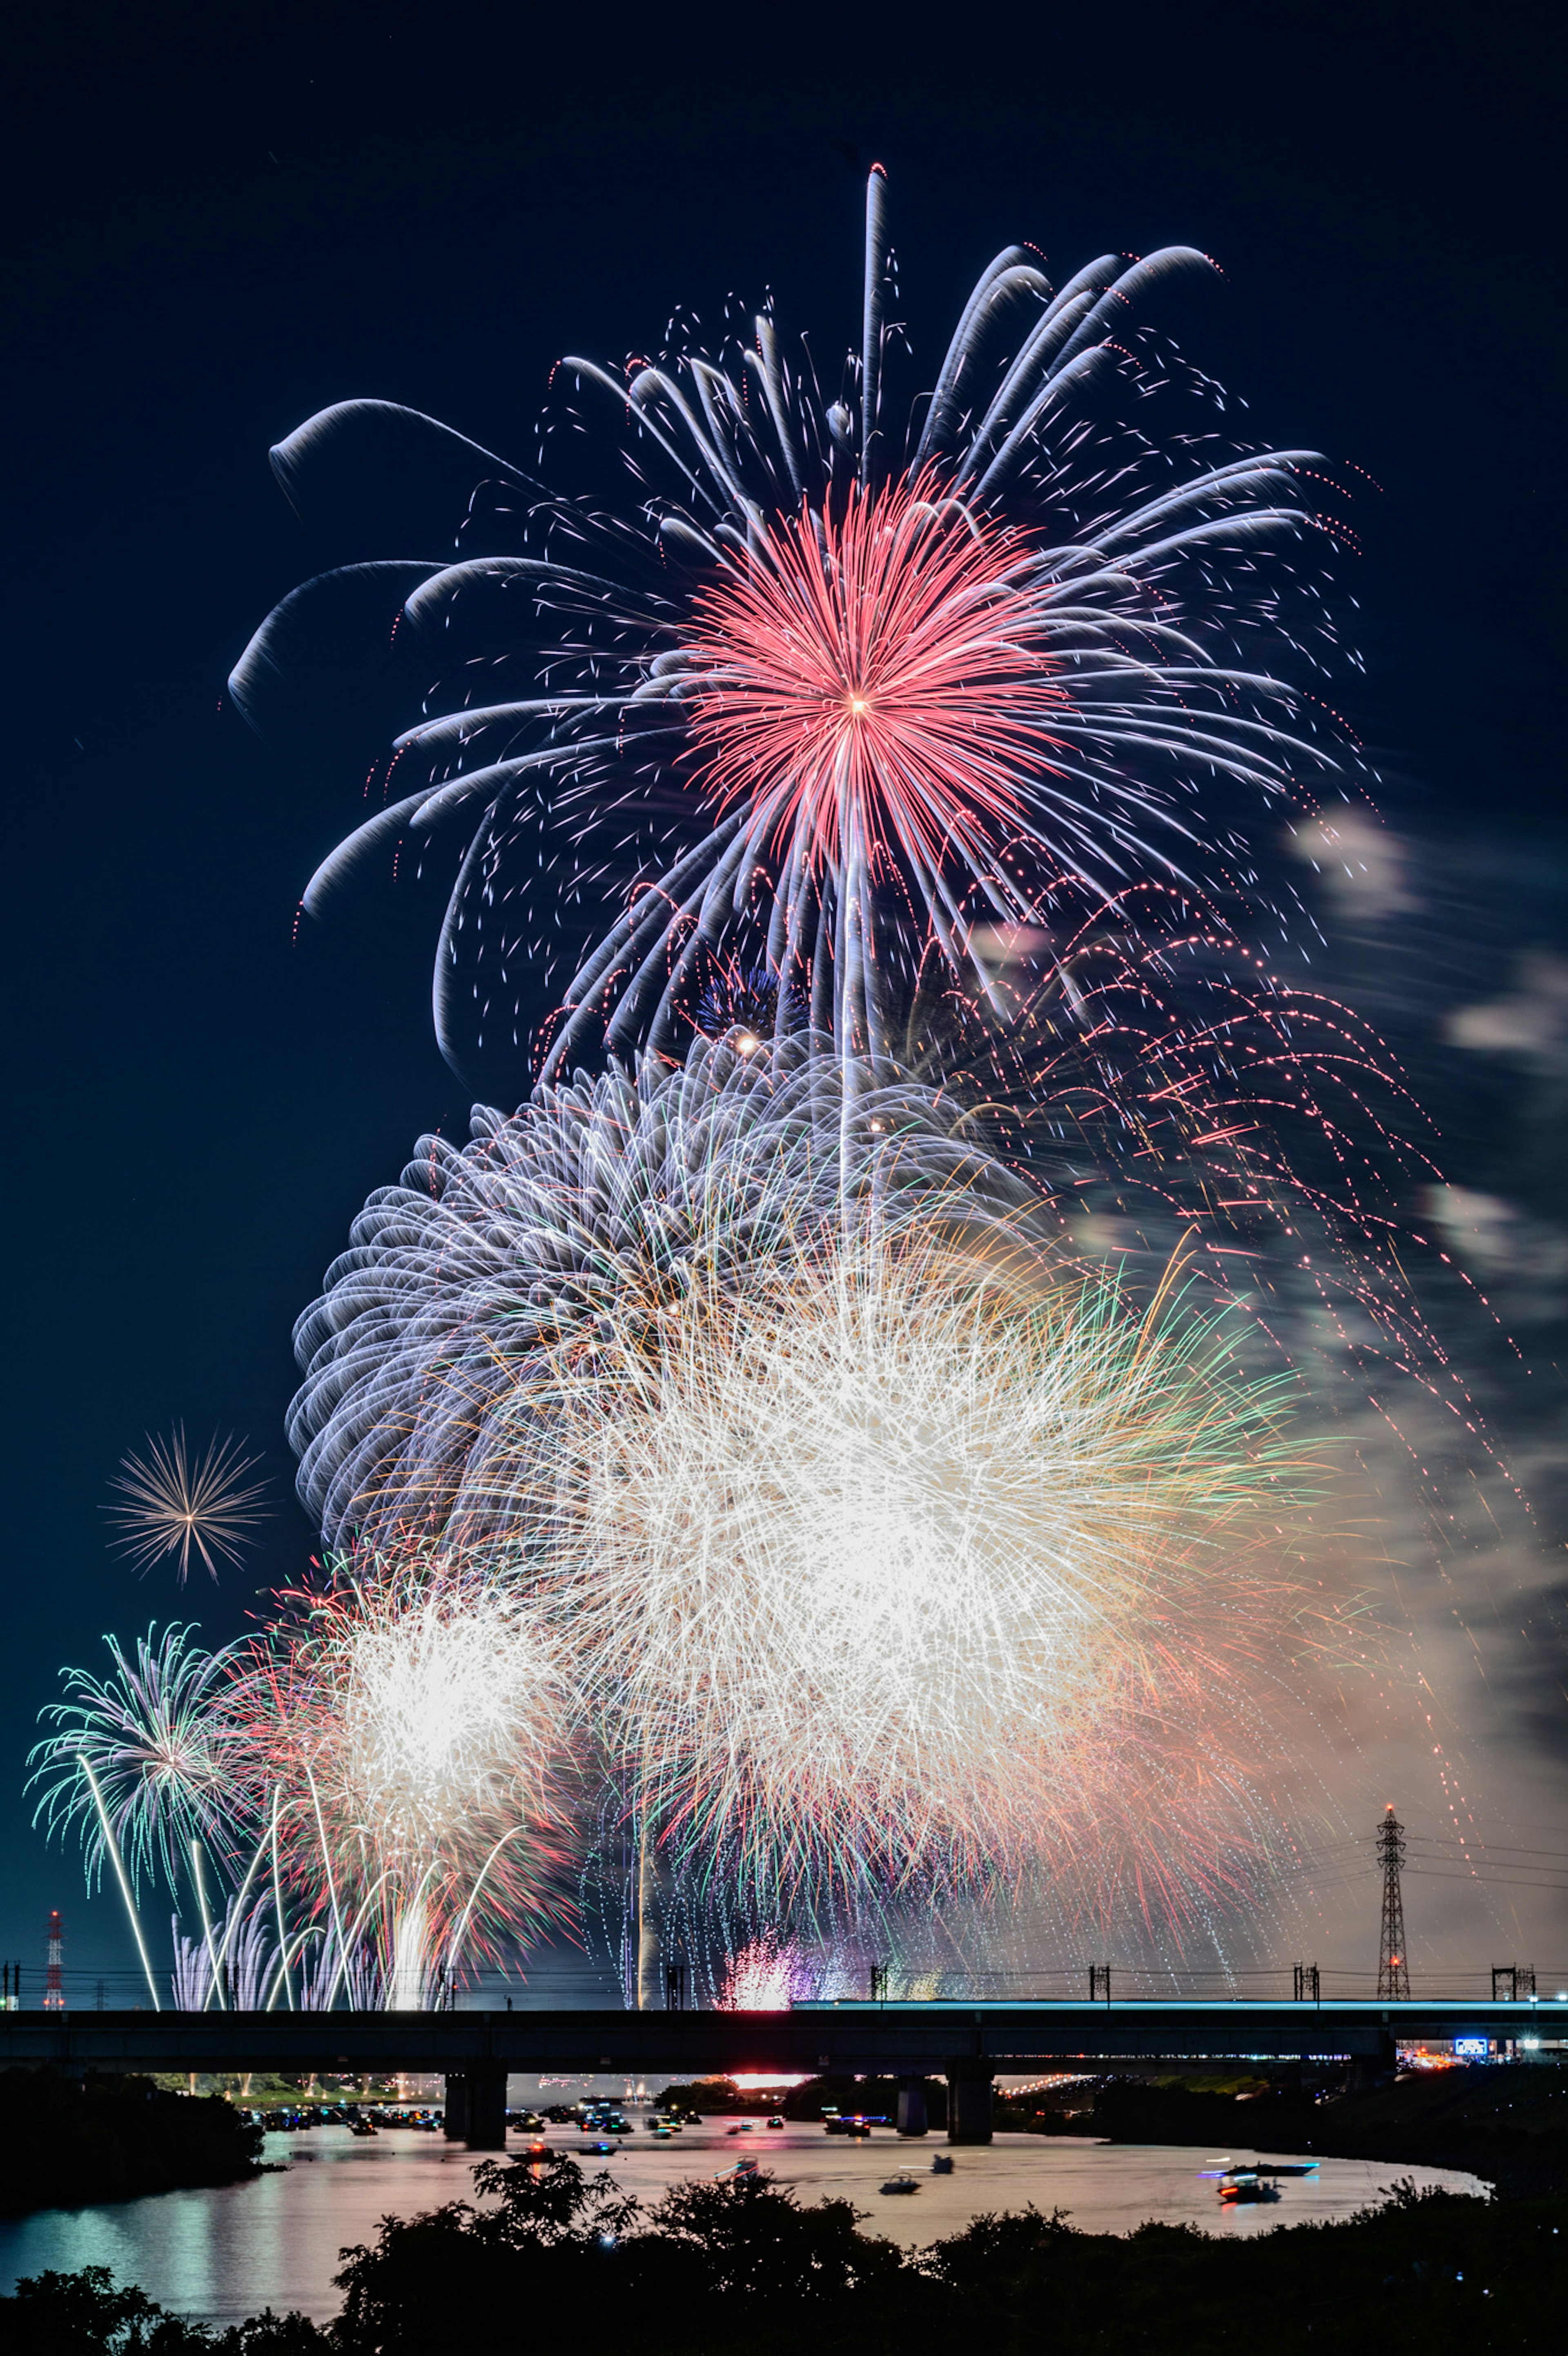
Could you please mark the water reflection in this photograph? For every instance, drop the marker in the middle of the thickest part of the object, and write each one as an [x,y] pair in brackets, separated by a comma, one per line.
[220,2256]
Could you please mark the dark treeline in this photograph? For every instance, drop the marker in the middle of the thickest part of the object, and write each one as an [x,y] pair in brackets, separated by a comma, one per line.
[68,2141]
[718,2268]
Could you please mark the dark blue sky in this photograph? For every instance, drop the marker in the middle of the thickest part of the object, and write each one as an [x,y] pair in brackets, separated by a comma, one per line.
[217,224]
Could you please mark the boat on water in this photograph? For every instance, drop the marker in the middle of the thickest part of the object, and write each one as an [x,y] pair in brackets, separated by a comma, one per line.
[1240,2191]
[941,2164]
[902,2182]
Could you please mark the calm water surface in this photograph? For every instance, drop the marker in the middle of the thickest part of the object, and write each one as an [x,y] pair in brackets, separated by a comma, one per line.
[218,2256]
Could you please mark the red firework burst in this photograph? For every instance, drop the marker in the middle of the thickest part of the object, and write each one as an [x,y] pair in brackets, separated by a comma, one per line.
[881,680]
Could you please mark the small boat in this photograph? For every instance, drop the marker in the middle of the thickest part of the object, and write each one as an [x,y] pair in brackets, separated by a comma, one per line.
[362,2127]
[1244,2187]
[741,2167]
[595,2150]
[902,2182]
[941,2164]
[774,2123]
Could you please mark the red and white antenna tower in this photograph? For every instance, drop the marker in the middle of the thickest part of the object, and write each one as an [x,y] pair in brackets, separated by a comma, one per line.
[1393,1971]
[54,1979]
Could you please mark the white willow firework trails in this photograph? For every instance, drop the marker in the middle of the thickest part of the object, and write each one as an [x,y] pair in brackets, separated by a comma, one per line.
[895,1565]
[834,691]
[574,1226]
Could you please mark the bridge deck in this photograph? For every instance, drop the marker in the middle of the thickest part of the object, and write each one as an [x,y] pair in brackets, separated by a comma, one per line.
[893,2038]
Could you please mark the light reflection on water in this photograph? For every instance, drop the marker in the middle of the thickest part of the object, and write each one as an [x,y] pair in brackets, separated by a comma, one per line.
[220,2256]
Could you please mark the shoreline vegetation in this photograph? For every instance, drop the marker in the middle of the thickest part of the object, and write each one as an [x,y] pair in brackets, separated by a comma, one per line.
[716,2268]
[69,2143]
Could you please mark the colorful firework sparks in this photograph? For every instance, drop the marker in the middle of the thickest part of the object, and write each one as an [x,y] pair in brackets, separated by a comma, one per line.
[576,1225]
[145,1761]
[175,1500]
[769,1974]
[902,1561]
[790,1449]
[829,693]
[407,1729]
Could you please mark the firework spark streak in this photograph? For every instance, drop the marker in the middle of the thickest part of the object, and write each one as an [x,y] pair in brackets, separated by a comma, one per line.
[175,1500]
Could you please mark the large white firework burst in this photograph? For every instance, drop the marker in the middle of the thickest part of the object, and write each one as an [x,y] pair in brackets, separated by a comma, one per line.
[906,1562]
[407,1728]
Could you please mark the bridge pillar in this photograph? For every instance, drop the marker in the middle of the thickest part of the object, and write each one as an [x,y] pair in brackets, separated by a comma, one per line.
[969,2101]
[1370,2071]
[455,2126]
[487,2107]
[911,2107]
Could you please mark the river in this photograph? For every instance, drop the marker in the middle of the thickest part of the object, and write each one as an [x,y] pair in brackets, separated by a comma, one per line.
[217,2256]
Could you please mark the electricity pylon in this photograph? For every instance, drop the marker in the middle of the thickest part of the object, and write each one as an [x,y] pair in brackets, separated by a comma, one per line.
[1393,1971]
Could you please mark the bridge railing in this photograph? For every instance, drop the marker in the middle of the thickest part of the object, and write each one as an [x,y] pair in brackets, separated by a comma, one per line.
[1109,1981]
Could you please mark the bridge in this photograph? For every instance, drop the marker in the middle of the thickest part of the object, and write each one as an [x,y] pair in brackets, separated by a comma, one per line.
[967,2044]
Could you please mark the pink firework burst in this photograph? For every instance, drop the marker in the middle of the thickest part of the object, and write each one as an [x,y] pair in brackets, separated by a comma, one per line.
[876,686]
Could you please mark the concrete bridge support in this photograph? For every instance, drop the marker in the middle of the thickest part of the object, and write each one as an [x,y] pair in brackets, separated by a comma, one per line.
[486,2106]
[1370,2071]
[911,2107]
[456,2123]
[969,2101]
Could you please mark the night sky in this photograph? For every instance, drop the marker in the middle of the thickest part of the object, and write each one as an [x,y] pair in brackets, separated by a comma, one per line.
[218,224]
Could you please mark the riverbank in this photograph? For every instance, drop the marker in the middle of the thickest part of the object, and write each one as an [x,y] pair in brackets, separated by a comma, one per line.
[68,2142]
[716,2268]
[1506,2123]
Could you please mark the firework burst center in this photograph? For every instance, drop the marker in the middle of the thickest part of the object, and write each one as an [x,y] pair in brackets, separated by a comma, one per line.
[879,676]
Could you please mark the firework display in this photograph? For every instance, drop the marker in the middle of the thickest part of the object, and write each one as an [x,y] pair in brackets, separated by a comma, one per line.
[405,1741]
[471,1290]
[172,1500]
[833,690]
[893,1564]
[828,1459]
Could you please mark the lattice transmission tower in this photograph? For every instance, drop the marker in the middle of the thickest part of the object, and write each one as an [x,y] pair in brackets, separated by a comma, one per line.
[54,1976]
[1393,1970]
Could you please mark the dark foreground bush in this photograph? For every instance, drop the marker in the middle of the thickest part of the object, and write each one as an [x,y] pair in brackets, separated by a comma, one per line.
[68,2141]
[714,2269]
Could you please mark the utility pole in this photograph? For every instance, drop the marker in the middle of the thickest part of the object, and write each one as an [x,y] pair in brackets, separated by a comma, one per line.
[54,1979]
[1393,1970]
